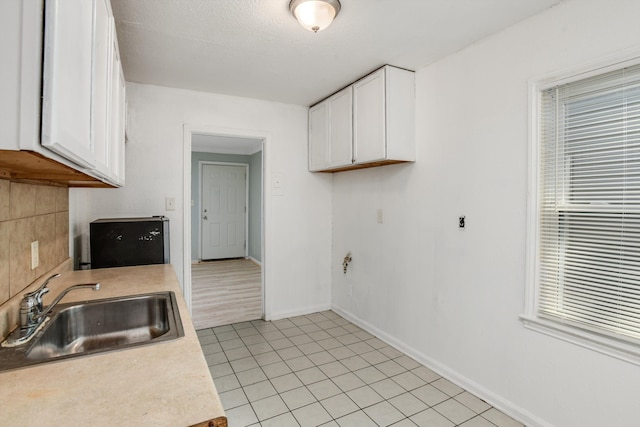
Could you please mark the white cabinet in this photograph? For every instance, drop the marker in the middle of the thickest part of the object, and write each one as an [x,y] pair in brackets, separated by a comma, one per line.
[319,137]
[370,123]
[108,101]
[103,30]
[384,117]
[66,80]
[20,74]
[61,79]
[82,86]
[117,117]
[330,132]
[340,125]
[10,72]
[369,139]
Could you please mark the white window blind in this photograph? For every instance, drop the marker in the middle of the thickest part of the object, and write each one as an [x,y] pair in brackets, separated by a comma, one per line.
[589,205]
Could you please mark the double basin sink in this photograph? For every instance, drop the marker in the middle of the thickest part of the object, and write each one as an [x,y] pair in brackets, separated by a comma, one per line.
[79,329]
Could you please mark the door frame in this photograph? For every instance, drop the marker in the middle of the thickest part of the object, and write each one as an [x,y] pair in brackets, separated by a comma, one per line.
[201,163]
[188,131]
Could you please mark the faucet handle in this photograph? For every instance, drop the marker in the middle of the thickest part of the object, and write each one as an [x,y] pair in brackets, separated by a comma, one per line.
[32,301]
[38,293]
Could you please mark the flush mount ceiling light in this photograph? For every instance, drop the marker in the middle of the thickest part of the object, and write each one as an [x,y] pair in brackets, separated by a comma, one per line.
[315,15]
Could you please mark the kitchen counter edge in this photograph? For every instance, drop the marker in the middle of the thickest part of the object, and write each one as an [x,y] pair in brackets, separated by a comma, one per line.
[162,384]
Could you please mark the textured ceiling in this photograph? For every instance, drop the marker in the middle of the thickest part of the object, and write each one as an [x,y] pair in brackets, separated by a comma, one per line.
[256,48]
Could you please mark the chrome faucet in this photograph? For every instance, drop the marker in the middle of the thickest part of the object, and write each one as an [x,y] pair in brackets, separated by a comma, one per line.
[31,304]
[35,321]
[32,313]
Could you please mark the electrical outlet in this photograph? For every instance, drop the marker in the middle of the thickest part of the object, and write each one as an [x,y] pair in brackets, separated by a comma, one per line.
[35,256]
[461,222]
[380,216]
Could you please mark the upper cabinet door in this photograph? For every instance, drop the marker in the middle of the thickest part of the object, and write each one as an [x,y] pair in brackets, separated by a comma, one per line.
[330,132]
[319,137]
[103,29]
[369,118]
[67,69]
[10,74]
[118,117]
[340,129]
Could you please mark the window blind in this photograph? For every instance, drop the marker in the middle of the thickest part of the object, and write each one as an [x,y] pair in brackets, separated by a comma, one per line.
[589,201]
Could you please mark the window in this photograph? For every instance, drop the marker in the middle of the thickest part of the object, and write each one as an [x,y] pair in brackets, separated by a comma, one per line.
[587,216]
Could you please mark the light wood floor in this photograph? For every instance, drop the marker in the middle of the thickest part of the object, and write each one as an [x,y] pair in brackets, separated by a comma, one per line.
[225,292]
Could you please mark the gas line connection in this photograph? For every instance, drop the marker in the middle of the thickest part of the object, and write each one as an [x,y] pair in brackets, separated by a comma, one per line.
[345,262]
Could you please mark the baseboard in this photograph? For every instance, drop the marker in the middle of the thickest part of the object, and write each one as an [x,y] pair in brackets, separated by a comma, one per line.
[472,387]
[294,313]
[199,261]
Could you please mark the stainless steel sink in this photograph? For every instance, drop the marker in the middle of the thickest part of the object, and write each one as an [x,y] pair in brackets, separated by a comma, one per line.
[97,326]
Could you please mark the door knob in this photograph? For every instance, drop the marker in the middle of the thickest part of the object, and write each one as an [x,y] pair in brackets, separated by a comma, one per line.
[205,217]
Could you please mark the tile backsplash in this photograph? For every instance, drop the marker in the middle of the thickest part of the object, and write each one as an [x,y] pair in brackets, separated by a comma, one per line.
[30,212]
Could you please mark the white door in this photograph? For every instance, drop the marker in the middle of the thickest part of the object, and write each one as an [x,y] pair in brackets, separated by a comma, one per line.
[224,213]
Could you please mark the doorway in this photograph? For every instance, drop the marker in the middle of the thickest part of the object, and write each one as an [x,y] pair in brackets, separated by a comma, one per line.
[225,244]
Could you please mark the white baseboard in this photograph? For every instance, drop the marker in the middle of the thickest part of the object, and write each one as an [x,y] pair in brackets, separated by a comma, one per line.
[497,401]
[294,313]
[255,260]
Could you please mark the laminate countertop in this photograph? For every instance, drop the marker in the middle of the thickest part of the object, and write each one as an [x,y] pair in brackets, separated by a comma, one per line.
[162,384]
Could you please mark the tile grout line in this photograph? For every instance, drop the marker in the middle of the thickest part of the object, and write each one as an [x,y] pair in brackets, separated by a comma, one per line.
[271,327]
[329,378]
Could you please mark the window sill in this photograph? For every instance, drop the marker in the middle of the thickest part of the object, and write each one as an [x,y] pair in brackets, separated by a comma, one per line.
[602,344]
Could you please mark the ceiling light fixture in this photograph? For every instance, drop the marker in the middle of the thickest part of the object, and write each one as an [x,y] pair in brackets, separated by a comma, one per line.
[315,15]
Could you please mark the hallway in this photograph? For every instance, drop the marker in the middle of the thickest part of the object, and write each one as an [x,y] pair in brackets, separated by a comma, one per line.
[225,292]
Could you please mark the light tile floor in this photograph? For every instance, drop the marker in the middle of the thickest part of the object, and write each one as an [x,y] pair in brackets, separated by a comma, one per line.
[322,370]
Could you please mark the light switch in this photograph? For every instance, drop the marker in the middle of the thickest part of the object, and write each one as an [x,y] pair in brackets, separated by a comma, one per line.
[277,180]
[170,204]
[277,184]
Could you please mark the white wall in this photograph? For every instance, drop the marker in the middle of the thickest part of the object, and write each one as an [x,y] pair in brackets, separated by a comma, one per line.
[452,298]
[297,223]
